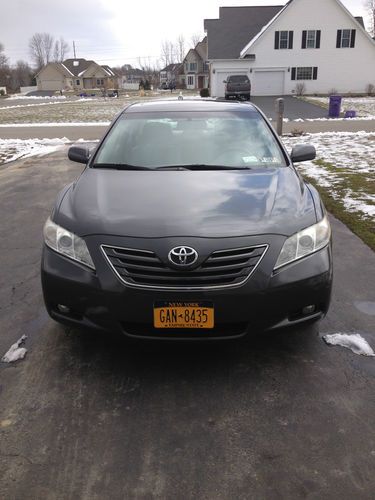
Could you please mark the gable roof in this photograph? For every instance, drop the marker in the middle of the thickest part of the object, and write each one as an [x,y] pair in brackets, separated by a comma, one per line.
[192,51]
[201,48]
[77,69]
[229,34]
[357,20]
[172,68]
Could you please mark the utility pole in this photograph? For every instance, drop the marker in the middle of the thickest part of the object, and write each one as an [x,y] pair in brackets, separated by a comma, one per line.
[74,50]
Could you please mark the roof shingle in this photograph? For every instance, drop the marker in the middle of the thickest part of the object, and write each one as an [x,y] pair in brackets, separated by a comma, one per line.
[228,35]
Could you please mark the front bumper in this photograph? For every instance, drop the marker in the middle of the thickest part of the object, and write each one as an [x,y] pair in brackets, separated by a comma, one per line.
[266,301]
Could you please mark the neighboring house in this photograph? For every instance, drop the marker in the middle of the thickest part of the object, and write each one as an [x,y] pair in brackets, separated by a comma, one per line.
[195,67]
[316,44]
[76,74]
[131,75]
[170,73]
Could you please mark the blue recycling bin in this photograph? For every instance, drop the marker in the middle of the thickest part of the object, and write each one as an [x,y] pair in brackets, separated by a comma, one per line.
[334,106]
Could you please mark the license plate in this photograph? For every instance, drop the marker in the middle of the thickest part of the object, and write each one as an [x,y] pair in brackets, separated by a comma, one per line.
[183,315]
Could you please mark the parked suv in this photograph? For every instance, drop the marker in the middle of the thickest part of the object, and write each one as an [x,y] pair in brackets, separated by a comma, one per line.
[238,86]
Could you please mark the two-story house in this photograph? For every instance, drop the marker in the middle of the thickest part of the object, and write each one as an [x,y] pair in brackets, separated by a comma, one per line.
[317,43]
[195,66]
[170,74]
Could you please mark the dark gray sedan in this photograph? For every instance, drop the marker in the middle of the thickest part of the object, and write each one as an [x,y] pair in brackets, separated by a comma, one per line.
[189,221]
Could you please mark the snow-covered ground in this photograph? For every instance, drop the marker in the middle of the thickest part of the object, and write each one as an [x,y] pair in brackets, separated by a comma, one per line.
[100,110]
[13,149]
[348,154]
[364,106]
[36,97]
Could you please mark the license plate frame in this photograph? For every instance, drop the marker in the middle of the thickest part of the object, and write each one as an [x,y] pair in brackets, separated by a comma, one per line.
[198,315]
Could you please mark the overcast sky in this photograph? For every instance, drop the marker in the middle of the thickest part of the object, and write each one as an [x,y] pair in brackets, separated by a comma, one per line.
[114,31]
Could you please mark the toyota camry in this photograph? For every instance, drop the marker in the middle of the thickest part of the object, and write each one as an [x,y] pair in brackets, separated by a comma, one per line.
[189,221]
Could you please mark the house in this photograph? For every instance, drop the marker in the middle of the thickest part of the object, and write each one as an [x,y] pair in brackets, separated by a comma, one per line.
[195,68]
[313,46]
[76,74]
[170,74]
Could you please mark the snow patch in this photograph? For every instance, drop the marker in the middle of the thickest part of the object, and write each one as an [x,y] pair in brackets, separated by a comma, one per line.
[355,342]
[56,124]
[13,149]
[15,352]
[15,96]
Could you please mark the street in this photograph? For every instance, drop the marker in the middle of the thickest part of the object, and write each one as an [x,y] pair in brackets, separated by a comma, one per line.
[92,416]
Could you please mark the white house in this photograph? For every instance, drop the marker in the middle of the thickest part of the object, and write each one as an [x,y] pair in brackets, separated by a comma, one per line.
[314,42]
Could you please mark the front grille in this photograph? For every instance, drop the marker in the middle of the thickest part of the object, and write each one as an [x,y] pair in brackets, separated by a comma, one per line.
[144,269]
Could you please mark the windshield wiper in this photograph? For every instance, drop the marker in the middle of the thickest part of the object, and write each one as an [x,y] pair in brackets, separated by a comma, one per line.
[202,166]
[120,166]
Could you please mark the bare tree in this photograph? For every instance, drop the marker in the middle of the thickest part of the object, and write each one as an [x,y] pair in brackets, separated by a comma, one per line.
[41,49]
[168,52]
[4,68]
[3,57]
[370,7]
[61,50]
[180,48]
[22,74]
[150,70]
[195,39]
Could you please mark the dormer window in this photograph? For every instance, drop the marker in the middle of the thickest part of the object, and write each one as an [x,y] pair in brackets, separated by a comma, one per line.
[283,40]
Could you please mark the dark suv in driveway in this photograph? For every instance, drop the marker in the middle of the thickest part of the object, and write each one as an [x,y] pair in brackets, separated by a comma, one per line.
[189,221]
[238,86]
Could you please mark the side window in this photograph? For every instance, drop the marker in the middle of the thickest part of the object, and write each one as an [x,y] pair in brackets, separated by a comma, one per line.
[283,40]
[305,73]
[345,39]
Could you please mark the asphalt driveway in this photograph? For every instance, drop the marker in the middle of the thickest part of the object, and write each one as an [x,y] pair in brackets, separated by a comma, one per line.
[294,108]
[90,416]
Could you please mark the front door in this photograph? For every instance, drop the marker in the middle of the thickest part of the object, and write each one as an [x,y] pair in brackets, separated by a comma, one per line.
[190,83]
[200,82]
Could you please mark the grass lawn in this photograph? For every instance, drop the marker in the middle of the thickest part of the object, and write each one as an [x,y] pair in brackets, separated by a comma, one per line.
[96,109]
[344,174]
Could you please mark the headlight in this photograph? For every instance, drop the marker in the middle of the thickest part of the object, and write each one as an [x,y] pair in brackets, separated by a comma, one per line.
[66,243]
[304,243]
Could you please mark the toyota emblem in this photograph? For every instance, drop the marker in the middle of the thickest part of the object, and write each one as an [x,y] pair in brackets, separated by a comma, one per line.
[183,256]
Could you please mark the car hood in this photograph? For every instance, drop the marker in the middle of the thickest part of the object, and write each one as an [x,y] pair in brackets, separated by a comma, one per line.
[187,203]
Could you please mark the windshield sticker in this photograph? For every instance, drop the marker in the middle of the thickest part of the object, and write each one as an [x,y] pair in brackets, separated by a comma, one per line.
[270,160]
[250,159]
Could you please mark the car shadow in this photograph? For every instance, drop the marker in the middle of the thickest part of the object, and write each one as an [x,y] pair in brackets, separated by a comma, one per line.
[179,359]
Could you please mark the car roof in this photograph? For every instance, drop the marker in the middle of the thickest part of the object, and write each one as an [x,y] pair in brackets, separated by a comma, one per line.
[184,104]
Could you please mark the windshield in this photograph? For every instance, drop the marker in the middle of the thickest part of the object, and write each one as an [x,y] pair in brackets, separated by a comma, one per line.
[238,79]
[177,139]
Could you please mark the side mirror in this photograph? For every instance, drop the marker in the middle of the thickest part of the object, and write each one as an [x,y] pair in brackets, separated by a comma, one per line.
[303,152]
[225,81]
[79,154]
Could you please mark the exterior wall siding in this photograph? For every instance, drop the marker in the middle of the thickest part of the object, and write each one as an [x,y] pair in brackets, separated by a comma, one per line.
[348,70]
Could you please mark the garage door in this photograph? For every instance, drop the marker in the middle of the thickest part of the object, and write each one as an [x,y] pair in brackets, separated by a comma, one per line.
[268,82]
[51,85]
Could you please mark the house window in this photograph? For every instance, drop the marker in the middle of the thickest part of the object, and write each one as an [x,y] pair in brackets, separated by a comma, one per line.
[100,81]
[78,82]
[305,73]
[283,40]
[190,80]
[193,66]
[345,39]
[311,39]
[205,67]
